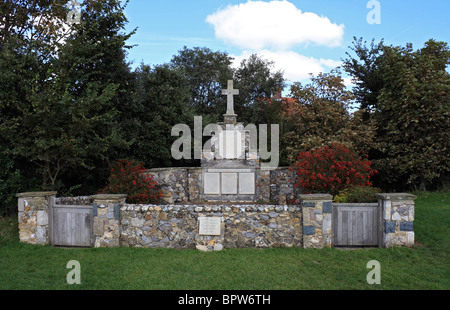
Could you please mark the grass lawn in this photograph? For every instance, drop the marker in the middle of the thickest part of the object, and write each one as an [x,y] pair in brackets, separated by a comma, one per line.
[425,266]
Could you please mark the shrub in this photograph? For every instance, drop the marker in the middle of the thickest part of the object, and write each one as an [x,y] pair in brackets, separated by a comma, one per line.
[127,177]
[12,181]
[331,169]
[357,194]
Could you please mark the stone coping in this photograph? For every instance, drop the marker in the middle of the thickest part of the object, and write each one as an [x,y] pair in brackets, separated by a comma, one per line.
[199,168]
[211,208]
[356,204]
[315,197]
[108,196]
[36,194]
[396,196]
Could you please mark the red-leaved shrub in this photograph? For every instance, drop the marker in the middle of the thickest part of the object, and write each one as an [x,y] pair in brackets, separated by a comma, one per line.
[331,169]
[127,177]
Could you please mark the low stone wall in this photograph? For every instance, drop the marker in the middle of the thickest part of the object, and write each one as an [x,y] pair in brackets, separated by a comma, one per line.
[398,218]
[308,224]
[181,185]
[34,216]
[243,226]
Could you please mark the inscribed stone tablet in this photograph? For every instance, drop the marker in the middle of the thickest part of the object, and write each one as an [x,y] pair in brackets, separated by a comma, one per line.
[209,226]
[229,183]
[230,144]
[212,184]
[247,183]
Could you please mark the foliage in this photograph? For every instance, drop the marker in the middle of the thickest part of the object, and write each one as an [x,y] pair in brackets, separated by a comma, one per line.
[206,72]
[407,94]
[319,115]
[12,181]
[365,74]
[415,112]
[128,177]
[62,115]
[331,169]
[160,100]
[357,194]
[257,83]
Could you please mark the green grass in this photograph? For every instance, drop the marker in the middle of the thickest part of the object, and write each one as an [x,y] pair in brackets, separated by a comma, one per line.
[425,266]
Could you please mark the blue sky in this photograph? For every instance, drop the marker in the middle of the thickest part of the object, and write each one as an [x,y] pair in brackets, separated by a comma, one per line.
[299,35]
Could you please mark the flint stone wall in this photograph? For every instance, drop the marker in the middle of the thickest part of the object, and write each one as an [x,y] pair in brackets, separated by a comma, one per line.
[181,185]
[243,226]
[307,224]
[33,216]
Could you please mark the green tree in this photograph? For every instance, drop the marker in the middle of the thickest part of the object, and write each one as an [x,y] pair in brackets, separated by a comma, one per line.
[406,93]
[62,115]
[206,72]
[413,112]
[160,101]
[319,116]
[257,83]
[365,72]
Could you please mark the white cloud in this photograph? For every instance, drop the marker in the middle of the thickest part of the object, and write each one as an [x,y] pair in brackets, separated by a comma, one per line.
[296,67]
[276,25]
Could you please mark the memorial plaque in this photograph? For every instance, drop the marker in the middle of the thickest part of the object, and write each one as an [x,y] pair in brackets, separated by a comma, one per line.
[209,226]
[230,144]
[247,183]
[212,184]
[229,183]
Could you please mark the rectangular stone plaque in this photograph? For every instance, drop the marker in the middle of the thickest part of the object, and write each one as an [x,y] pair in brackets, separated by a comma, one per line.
[209,226]
[230,144]
[212,184]
[229,183]
[247,183]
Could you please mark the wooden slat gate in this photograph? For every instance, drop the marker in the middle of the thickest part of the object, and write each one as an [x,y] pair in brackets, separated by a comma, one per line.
[72,225]
[356,224]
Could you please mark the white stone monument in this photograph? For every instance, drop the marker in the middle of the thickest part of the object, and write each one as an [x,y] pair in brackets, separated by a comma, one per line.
[230,175]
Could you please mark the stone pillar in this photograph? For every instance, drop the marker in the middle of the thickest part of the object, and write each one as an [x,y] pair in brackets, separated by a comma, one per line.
[397,217]
[106,211]
[316,209]
[34,217]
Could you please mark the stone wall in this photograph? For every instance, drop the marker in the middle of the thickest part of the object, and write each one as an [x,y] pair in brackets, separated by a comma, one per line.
[317,210]
[106,227]
[34,216]
[398,218]
[243,226]
[307,224]
[181,185]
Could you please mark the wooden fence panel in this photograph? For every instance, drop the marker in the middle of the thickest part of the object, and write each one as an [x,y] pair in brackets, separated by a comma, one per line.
[355,224]
[72,226]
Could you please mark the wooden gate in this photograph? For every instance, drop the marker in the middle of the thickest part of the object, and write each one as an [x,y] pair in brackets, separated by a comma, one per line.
[72,225]
[356,224]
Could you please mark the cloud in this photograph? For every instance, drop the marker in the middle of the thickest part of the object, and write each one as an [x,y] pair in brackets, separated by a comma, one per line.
[296,67]
[275,25]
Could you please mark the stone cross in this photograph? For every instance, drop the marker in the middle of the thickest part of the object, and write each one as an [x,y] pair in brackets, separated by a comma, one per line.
[230,92]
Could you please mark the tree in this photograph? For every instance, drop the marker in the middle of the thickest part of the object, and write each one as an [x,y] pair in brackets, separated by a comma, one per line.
[206,72]
[65,115]
[413,116]
[257,83]
[319,116]
[365,72]
[406,93]
[160,101]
